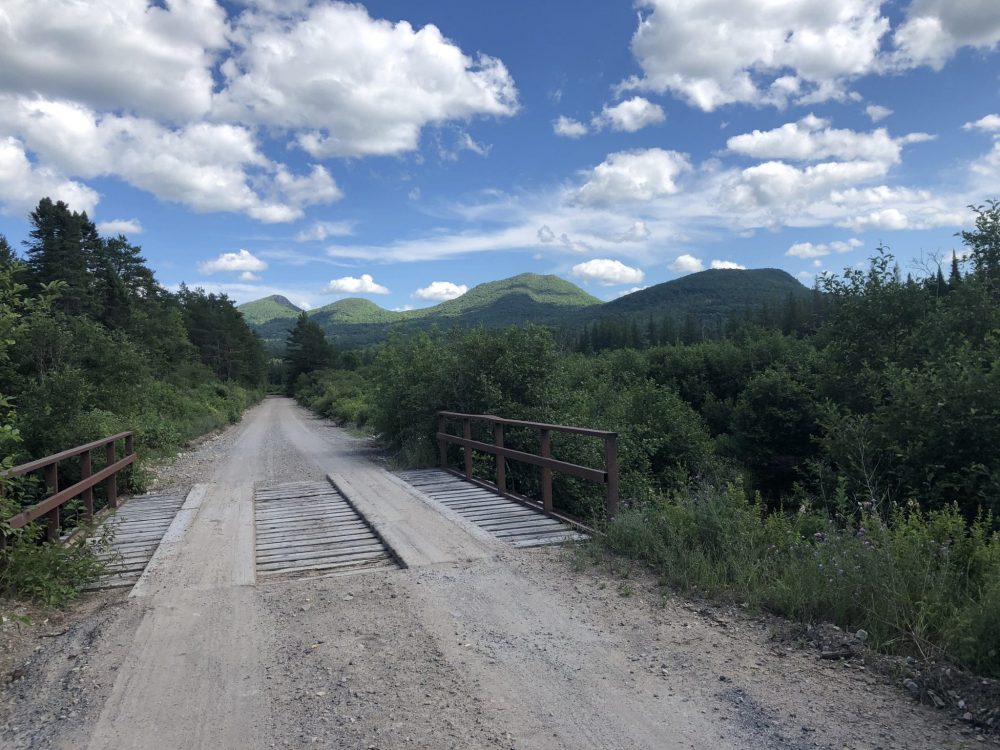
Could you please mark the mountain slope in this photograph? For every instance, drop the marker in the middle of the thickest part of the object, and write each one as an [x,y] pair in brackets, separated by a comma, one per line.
[264,310]
[716,293]
[531,298]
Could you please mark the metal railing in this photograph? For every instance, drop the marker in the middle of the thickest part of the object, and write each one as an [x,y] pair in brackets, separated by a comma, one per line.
[49,507]
[607,476]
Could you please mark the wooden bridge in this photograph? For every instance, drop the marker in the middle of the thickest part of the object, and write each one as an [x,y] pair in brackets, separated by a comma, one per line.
[352,521]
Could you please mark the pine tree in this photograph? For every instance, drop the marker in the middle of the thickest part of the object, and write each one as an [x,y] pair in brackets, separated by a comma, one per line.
[955,277]
[7,256]
[58,251]
[307,350]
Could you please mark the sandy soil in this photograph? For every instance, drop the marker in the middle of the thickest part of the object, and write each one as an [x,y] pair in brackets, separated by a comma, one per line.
[517,650]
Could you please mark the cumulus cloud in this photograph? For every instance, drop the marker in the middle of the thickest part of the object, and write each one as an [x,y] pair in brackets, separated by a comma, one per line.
[712,53]
[933,30]
[205,166]
[877,113]
[23,184]
[607,272]
[249,276]
[686,264]
[243,260]
[886,218]
[120,226]
[727,265]
[321,230]
[812,139]
[351,285]
[988,124]
[630,115]
[126,55]
[441,291]
[818,250]
[638,232]
[629,176]
[354,85]
[568,127]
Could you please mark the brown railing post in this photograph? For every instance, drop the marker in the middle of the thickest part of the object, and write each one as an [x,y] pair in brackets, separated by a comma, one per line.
[501,461]
[52,517]
[467,434]
[611,466]
[112,483]
[546,452]
[442,445]
[86,469]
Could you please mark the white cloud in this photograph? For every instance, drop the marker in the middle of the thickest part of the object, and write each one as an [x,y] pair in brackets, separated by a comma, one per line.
[441,291]
[351,85]
[812,139]
[402,308]
[351,285]
[545,234]
[811,250]
[638,232]
[886,218]
[988,124]
[630,115]
[877,112]
[727,265]
[632,290]
[629,176]
[243,260]
[249,276]
[23,184]
[568,127]
[607,272]
[712,53]
[124,55]
[321,230]
[933,30]
[119,226]
[414,195]
[205,166]
[686,264]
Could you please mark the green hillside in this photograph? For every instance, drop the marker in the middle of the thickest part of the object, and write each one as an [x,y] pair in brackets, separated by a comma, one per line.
[275,307]
[528,297]
[713,294]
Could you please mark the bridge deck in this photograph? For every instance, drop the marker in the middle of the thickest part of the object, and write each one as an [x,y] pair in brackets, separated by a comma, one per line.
[308,527]
[505,519]
[136,529]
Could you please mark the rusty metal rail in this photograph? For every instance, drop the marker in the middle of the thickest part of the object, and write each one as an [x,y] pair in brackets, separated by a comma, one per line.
[607,476]
[49,507]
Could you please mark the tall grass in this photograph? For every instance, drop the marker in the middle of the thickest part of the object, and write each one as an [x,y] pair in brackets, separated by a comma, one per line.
[922,583]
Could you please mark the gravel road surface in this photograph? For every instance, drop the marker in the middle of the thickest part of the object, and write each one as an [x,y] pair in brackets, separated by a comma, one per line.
[515,649]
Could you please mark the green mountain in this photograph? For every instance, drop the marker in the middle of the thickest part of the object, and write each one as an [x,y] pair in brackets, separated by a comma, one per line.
[262,311]
[547,300]
[714,294]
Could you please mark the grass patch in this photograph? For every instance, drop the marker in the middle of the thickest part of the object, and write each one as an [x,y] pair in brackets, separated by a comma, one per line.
[922,583]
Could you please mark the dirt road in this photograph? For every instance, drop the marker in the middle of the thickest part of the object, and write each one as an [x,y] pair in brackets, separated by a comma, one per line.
[515,649]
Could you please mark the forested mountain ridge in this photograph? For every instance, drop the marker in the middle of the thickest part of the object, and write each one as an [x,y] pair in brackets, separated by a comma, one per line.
[527,297]
[267,309]
[707,296]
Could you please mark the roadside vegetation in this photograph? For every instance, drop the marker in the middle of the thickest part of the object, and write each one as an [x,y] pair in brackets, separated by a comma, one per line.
[91,345]
[832,459]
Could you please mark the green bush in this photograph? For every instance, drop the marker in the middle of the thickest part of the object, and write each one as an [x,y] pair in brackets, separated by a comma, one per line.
[920,582]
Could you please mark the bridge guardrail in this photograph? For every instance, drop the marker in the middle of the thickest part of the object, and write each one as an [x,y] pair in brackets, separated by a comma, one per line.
[49,507]
[607,476]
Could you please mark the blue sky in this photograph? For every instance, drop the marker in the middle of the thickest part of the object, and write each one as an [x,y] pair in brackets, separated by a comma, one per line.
[406,151]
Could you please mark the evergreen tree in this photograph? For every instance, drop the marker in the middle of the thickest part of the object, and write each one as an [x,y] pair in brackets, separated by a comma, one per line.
[307,350]
[955,277]
[7,256]
[58,251]
[984,243]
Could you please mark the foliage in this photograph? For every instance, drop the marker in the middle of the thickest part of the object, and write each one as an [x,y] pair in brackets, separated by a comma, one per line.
[921,583]
[307,350]
[91,345]
[267,309]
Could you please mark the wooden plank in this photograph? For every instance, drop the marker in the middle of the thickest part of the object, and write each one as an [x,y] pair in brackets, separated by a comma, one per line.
[328,561]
